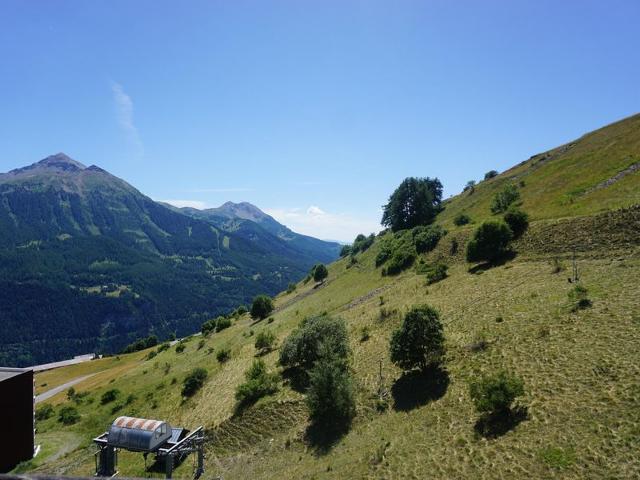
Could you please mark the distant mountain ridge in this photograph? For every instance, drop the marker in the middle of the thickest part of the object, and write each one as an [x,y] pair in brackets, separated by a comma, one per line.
[88,262]
[231,212]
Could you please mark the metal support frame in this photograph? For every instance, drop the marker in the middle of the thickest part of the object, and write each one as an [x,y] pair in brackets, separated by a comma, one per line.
[106,457]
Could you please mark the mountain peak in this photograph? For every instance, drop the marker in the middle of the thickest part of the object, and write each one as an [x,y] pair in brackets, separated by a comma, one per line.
[60,161]
[243,210]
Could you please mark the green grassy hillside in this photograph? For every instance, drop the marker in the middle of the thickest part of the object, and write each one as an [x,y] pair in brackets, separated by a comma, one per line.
[580,367]
[598,172]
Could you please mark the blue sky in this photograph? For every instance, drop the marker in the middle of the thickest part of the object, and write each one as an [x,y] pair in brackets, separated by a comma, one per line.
[312,110]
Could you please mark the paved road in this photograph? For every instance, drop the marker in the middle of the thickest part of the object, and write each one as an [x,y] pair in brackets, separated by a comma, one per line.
[63,363]
[50,393]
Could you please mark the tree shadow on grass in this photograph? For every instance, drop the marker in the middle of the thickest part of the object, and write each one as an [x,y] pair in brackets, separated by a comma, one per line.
[296,378]
[483,267]
[493,425]
[322,436]
[417,388]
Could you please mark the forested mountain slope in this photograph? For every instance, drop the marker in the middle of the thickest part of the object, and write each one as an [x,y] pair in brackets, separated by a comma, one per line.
[88,262]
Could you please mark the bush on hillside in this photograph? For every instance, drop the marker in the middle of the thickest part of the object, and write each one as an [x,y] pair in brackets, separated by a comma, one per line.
[320,272]
[314,337]
[461,219]
[495,394]
[291,288]
[180,347]
[209,326]
[401,259]
[68,415]
[194,382]
[426,239]
[517,220]
[362,243]
[258,383]
[490,174]
[470,186]
[345,250]
[44,412]
[419,342]
[261,307]
[490,242]
[222,323]
[223,355]
[330,398]
[141,344]
[436,273]
[579,298]
[415,202]
[241,310]
[109,396]
[265,341]
[504,198]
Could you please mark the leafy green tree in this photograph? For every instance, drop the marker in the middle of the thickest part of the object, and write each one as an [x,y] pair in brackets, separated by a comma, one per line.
[222,323]
[490,242]
[320,272]
[517,220]
[314,337]
[330,397]
[261,307]
[415,202]
[265,341]
[504,198]
[194,381]
[470,186]
[258,383]
[419,342]
[495,394]
[362,243]
[345,250]
[490,174]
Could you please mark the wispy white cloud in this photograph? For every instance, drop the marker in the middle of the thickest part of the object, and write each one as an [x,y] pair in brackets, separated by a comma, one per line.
[187,203]
[319,223]
[124,115]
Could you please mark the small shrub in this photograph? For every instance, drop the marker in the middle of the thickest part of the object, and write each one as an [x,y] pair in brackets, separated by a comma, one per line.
[504,198]
[578,297]
[261,307]
[44,412]
[270,320]
[68,415]
[223,355]
[490,174]
[201,344]
[71,393]
[109,396]
[163,347]
[557,266]
[399,261]
[461,219]
[436,273]
[151,355]
[116,408]
[265,341]
[426,239]
[384,254]
[130,399]
[258,383]
[222,323]
[291,288]
[364,334]
[490,242]
[194,382]
[495,394]
[517,220]
[141,344]
[345,250]
[419,342]
[209,327]
[180,347]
